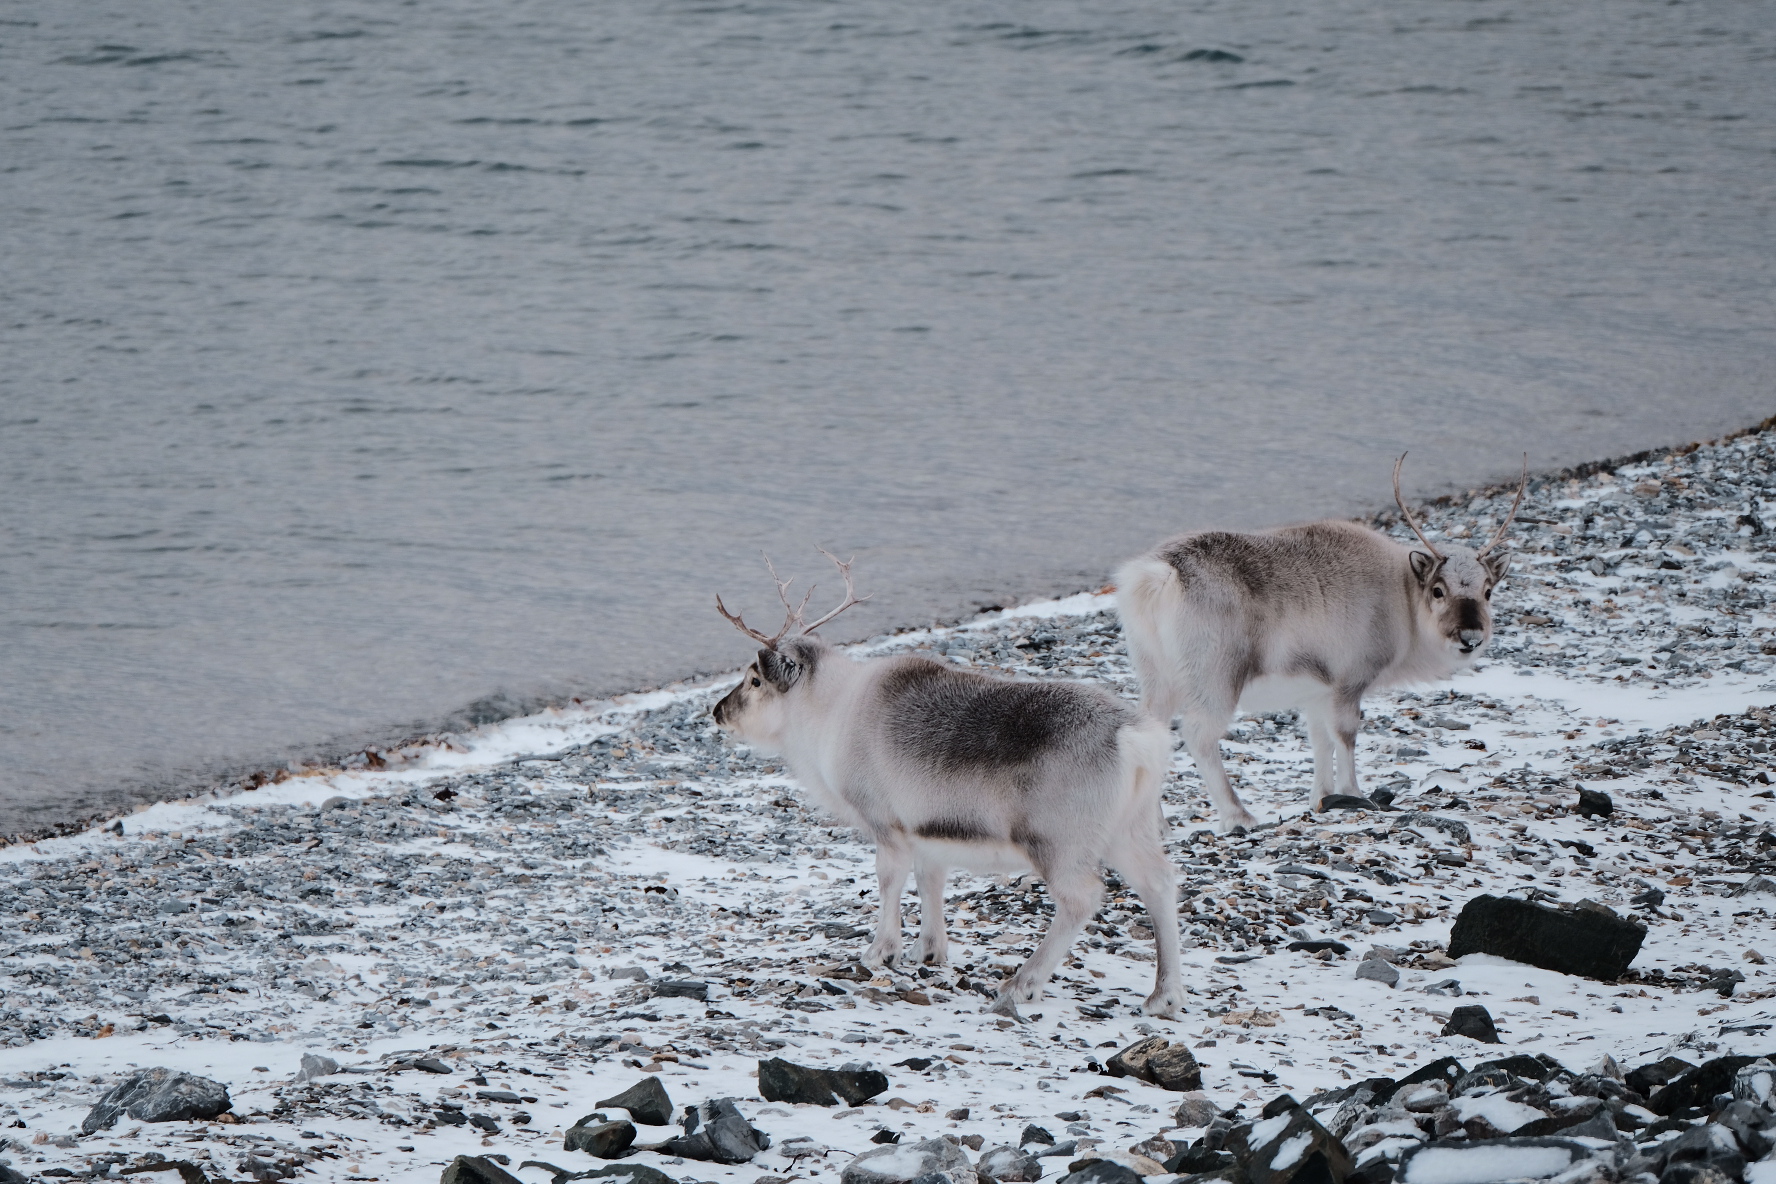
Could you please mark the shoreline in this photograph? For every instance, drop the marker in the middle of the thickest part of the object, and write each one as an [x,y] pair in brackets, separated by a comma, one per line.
[405,746]
[519,911]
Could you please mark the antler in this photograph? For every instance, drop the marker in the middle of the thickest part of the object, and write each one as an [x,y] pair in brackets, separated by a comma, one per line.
[851,596]
[792,613]
[1407,514]
[1518,501]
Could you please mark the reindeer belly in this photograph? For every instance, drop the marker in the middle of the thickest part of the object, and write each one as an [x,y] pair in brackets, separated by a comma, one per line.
[1281,692]
[982,855]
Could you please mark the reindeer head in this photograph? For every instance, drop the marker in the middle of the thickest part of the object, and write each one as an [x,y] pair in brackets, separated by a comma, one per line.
[1455,583]
[758,709]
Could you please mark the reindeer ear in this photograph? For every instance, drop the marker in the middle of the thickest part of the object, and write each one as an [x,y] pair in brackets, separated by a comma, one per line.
[1424,565]
[778,670]
[1497,563]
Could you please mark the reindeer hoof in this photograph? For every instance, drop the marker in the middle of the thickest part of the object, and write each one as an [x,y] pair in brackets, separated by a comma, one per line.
[881,955]
[1004,1005]
[1164,1004]
[1238,823]
[931,955]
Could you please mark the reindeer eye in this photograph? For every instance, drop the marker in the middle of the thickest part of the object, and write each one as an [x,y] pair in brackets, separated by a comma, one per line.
[755,682]
[1488,594]
[1437,592]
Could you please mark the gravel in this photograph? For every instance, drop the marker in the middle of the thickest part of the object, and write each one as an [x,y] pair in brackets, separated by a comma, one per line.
[552,906]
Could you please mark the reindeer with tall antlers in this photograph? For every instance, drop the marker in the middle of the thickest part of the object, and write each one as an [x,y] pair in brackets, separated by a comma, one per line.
[1308,617]
[947,767]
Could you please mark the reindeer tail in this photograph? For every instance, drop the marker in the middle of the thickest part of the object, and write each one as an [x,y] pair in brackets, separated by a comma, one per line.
[1150,601]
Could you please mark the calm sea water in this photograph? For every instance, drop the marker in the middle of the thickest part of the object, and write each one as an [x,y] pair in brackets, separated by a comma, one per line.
[366,368]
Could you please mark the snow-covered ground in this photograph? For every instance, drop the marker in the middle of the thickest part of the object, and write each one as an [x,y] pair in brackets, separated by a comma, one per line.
[470,900]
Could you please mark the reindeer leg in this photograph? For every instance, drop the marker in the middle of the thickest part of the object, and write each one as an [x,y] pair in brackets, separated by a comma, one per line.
[1202,735]
[1075,891]
[1319,734]
[934,942]
[893,862]
[1347,718]
[1145,866]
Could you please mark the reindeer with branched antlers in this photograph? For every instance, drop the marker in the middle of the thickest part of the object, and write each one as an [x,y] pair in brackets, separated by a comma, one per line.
[1310,617]
[947,767]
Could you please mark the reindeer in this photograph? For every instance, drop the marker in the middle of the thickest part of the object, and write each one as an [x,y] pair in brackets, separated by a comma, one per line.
[947,768]
[1311,617]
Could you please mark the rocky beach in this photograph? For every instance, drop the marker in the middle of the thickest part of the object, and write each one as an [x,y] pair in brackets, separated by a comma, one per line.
[603,941]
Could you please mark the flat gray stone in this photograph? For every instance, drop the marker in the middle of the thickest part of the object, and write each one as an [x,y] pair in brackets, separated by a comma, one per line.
[903,1163]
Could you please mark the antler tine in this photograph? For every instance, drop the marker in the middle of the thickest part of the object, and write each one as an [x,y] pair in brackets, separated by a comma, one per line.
[792,618]
[1522,485]
[1407,514]
[851,596]
[793,611]
[735,620]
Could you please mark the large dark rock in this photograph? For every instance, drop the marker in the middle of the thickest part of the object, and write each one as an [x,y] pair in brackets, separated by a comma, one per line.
[1698,1086]
[715,1132]
[1195,1161]
[626,1173]
[1302,1150]
[1710,1145]
[1646,1079]
[475,1169]
[1539,1067]
[606,1140]
[1474,1022]
[1448,1070]
[158,1095]
[1102,1171]
[680,988]
[1158,1060]
[1595,802]
[1585,941]
[905,1162]
[784,1081]
[646,1102]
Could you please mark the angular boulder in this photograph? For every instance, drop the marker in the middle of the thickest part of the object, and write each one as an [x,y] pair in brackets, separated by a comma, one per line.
[1474,1022]
[1102,1171]
[715,1132]
[1008,1165]
[606,1140]
[1448,1070]
[1709,1145]
[785,1081]
[1590,942]
[646,1102]
[316,1066]
[1159,1061]
[680,988]
[1292,1146]
[903,1163]
[1379,971]
[1698,1086]
[1196,1110]
[1594,803]
[1646,1079]
[626,1173]
[1756,1083]
[158,1095]
[1539,1067]
[476,1169]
